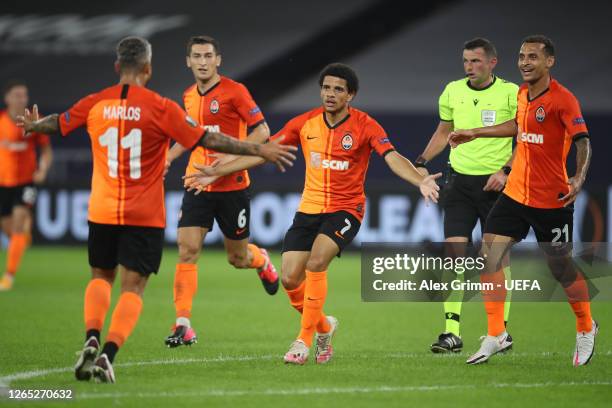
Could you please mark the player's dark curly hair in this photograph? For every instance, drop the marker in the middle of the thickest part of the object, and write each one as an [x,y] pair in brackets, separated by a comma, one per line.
[203,39]
[549,46]
[133,53]
[343,71]
[483,43]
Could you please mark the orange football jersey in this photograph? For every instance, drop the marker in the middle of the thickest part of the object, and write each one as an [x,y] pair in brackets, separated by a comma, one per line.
[130,128]
[547,126]
[17,153]
[336,157]
[229,108]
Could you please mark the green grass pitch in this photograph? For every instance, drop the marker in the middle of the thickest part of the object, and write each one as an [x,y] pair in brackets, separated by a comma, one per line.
[382,350]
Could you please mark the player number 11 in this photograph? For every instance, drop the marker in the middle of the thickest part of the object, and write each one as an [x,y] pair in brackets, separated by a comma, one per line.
[132,142]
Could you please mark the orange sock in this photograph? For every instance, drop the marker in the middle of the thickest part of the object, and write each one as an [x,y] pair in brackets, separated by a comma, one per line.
[16,248]
[296,298]
[125,317]
[578,298]
[494,302]
[258,258]
[97,302]
[185,288]
[314,298]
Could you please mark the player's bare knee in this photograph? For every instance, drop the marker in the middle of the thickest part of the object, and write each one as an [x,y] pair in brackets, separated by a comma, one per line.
[132,281]
[188,251]
[562,269]
[105,274]
[316,263]
[292,281]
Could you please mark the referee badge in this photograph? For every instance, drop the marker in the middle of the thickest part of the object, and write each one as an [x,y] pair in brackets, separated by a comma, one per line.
[488,117]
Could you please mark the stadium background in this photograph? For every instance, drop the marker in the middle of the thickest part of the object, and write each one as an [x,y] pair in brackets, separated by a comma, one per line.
[404,59]
[65,50]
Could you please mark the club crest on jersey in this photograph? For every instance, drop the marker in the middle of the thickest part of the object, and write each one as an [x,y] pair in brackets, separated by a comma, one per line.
[540,114]
[347,141]
[214,106]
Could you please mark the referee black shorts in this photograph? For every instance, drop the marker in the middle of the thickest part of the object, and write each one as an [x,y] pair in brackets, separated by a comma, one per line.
[464,203]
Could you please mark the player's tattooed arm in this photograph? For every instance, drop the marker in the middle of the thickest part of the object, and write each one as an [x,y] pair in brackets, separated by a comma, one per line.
[225,144]
[48,125]
[583,157]
[30,122]
[274,152]
[259,134]
[583,161]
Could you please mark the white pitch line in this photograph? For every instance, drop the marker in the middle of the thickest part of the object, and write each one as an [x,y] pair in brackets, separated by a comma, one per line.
[25,375]
[332,390]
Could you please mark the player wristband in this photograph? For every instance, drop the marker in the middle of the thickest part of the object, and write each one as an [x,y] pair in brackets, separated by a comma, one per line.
[420,162]
[506,170]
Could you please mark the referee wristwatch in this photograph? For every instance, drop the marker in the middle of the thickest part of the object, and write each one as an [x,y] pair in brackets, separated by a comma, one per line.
[506,170]
[420,162]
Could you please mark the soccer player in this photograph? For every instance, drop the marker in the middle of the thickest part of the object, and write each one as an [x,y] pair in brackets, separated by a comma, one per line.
[538,192]
[337,141]
[478,170]
[129,127]
[224,105]
[19,175]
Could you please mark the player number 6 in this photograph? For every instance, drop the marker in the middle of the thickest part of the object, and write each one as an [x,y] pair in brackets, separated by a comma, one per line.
[242,220]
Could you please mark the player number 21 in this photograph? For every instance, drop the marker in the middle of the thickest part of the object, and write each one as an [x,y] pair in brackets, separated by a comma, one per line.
[132,142]
[559,231]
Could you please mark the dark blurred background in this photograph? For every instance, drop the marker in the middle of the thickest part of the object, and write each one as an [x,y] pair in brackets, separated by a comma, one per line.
[404,58]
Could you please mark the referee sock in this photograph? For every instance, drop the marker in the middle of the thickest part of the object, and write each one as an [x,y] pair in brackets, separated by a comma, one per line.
[452,314]
[185,288]
[97,302]
[314,299]
[508,275]
[296,298]
[16,248]
[125,316]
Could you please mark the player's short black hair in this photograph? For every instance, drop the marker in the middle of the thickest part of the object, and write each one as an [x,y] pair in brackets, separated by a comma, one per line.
[483,43]
[549,46]
[133,53]
[343,71]
[12,83]
[203,39]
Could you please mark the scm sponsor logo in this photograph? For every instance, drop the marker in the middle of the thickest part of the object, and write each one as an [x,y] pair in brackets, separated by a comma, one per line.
[335,164]
[531,138]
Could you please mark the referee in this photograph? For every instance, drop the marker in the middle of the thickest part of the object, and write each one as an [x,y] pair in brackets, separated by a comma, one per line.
[478,170]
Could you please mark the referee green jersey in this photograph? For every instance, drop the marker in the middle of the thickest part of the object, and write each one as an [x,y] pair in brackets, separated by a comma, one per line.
[470,108]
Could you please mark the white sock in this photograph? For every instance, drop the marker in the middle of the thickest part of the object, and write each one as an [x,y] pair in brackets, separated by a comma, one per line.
[183,321]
